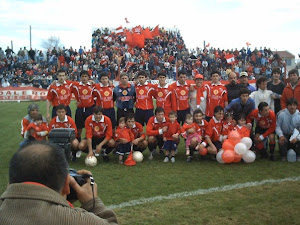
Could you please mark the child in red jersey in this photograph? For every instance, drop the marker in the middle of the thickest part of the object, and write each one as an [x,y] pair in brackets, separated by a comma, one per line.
[37,130]
[123,137]
[228,125]
[214,131]
[189,131]
[171,137]
[241,127]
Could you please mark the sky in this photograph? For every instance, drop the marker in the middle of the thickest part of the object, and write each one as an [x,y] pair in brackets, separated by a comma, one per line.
[225,24]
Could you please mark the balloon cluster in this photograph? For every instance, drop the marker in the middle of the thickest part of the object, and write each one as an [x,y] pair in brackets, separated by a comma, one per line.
[236,148]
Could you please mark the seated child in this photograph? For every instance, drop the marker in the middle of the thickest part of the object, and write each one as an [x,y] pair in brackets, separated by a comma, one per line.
[123,137]
[37,130]
[189,131]
[241,127]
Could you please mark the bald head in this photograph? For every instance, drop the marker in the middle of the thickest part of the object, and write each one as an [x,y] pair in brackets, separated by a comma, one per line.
[232,78]
[39,162]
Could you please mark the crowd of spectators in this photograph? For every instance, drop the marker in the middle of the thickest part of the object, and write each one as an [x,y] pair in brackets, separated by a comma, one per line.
[37,68]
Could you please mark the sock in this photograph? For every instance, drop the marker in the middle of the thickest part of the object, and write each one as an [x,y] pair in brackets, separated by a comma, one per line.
[260,145]
[192,151]
[272,147]
[151,147]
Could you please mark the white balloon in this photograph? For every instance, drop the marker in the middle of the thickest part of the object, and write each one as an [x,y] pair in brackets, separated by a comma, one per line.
[247,141]
[90,161]
[137,156]
[219,156]
[249,156]
[240,148]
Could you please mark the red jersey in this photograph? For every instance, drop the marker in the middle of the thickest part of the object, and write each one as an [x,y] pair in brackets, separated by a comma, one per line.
[68,122]
[173,128]
[216,95]
[242,130]
[163,96]
[214,129]
[104,96]
[100,129]
[26,121]
[124,133]
[180,96]
[154,127]
[38,128]
[60,93]
[202,127]
[138,130]
[264,122]
[227,127]
[83,94]
[186,127]
[144,94]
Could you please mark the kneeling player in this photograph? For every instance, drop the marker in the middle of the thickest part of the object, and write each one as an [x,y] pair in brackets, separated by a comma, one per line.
[156,126]
[98,134]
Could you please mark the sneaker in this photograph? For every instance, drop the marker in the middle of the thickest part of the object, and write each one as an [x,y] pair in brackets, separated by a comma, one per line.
[121,162]
[272,157]
[173,159]
[283,159]
[95,153]
[78,154]
[166,159]
[150,156]
[189,159]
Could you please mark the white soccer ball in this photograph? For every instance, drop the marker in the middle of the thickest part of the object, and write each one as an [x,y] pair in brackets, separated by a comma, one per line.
[137,156]
[91,161]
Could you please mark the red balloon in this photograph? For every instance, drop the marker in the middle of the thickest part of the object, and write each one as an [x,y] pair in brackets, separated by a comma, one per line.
[234,137]
[227,145]
[228,156]
[237,158]
[203,152]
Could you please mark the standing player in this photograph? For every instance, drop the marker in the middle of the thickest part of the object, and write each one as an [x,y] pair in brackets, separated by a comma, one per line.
[99,134]
[163,93]
[144,102]
[59,93]
[265,127]
[156,127]
[180,97]
[139,143]
[83,93]
[216,95]
[64,121]
[103,92]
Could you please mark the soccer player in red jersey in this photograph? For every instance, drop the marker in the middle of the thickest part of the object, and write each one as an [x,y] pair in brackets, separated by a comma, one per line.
[103,92]
[156,127]
[84,100]
[139,143]
[64,121]
[99,134]
[216,94]
[180,97]
[163,93]
[59,93]
[214,131]
[171,137]
[265,127]
[144,98]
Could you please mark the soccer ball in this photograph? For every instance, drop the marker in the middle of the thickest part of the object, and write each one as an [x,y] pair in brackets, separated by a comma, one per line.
[91,161]
[137,156]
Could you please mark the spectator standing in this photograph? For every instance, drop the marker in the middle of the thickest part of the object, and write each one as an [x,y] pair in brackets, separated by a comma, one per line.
[292,90]
[233,88]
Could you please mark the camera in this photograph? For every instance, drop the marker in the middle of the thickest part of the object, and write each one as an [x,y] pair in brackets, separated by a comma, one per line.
[80,179]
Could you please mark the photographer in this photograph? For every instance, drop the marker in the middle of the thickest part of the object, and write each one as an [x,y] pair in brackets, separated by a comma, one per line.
[38,185]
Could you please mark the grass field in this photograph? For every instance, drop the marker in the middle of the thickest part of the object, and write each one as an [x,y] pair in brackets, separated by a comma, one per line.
[271,203]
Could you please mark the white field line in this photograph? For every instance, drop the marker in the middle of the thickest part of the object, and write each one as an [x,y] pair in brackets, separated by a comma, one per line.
[201,192]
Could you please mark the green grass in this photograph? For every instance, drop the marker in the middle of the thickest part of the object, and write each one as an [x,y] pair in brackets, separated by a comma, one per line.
[267,204]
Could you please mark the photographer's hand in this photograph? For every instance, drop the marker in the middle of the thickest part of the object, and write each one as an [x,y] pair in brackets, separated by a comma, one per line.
[84,192]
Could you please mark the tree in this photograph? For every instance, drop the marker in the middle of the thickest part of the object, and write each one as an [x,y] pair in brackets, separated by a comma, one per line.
[51,42]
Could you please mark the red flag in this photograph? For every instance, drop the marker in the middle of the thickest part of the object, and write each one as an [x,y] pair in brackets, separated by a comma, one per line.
[137,29]
[126,20]
[155,31]
[107,39]
[229,58]
[138,40]
[247,43]
[208,44]
[129,39]
[147,34]
[119,30]
[128,65]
